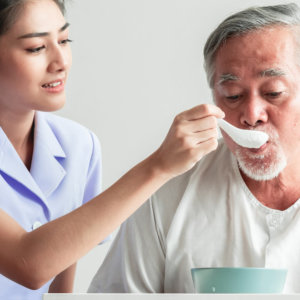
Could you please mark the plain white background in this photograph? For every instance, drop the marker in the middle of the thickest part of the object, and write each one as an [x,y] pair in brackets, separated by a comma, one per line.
[136,64]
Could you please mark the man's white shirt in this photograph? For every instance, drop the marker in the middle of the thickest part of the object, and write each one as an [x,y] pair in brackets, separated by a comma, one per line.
[206,217]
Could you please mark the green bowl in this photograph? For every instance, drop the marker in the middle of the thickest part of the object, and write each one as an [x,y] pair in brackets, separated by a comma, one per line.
[238,280]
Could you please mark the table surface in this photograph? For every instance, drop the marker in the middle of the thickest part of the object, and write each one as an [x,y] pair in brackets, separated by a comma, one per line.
[171,296]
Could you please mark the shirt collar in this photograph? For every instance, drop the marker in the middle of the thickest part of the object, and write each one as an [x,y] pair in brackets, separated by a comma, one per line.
[43,134]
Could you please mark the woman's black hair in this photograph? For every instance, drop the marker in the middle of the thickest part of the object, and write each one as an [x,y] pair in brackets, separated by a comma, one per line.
[10,9]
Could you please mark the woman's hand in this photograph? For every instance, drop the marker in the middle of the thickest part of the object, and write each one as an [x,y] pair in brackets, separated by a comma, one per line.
[192,135]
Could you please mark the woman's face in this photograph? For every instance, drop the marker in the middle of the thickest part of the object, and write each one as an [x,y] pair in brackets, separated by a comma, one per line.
[35,58]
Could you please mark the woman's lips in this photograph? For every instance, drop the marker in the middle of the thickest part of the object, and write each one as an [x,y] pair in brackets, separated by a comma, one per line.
[54,86]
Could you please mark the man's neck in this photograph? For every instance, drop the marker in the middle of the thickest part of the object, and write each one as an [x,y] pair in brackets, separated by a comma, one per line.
[279,193]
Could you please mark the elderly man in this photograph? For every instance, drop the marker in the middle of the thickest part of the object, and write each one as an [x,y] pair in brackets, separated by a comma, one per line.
[238,206]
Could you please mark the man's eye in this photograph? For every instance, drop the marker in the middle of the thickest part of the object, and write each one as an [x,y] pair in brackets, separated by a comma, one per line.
[35,50]
[233,98]
[274,94]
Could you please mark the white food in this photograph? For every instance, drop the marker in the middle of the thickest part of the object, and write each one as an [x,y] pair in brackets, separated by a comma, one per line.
[243,137]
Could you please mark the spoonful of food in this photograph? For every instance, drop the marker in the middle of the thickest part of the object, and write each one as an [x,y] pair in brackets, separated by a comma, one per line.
[243,137]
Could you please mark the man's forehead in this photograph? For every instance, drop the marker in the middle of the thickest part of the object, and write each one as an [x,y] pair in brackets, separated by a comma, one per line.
[271,48]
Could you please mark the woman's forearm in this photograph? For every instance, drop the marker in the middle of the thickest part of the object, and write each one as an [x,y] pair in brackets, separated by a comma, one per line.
[55,246]
[32,259]
[64,281]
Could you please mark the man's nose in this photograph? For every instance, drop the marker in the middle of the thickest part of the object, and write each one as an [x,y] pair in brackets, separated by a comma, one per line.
[58,60]
[254,112]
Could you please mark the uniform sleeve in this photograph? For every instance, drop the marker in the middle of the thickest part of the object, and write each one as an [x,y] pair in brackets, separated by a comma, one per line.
[135,262]
[93,186]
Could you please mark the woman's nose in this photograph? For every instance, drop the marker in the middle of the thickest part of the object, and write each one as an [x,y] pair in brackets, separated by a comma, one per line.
[58,60]
[254,112]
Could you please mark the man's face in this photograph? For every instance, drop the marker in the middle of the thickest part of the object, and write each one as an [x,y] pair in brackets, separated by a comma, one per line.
[257,85]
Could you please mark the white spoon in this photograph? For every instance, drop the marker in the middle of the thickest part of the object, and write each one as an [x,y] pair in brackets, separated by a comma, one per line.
[243,137]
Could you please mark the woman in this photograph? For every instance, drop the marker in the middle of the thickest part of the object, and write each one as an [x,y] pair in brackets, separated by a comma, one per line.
[49,166]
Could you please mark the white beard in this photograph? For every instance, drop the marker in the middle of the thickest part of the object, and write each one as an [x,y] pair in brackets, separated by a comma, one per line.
[265,166]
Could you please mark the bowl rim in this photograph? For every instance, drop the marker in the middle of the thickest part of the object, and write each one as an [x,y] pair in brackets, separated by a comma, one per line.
[239,268]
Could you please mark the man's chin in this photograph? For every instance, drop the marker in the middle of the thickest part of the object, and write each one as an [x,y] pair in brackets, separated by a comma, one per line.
[261,167]
[262,172]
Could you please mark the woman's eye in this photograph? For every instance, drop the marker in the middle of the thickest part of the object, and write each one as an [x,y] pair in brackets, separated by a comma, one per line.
[38,49]
[35,50]
[66,41]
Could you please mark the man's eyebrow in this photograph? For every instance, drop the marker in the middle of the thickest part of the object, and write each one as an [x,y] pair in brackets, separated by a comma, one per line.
[272,72]
[41,34]
[227,77]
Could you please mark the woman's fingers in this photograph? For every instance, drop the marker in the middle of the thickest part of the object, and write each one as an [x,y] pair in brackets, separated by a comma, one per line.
[201,111]
[203,136]
[192,135]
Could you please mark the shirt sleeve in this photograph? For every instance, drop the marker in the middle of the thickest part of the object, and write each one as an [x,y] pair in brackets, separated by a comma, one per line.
[135,262]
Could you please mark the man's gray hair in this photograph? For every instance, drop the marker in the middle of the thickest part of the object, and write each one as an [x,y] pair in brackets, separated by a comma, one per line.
[251,19]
